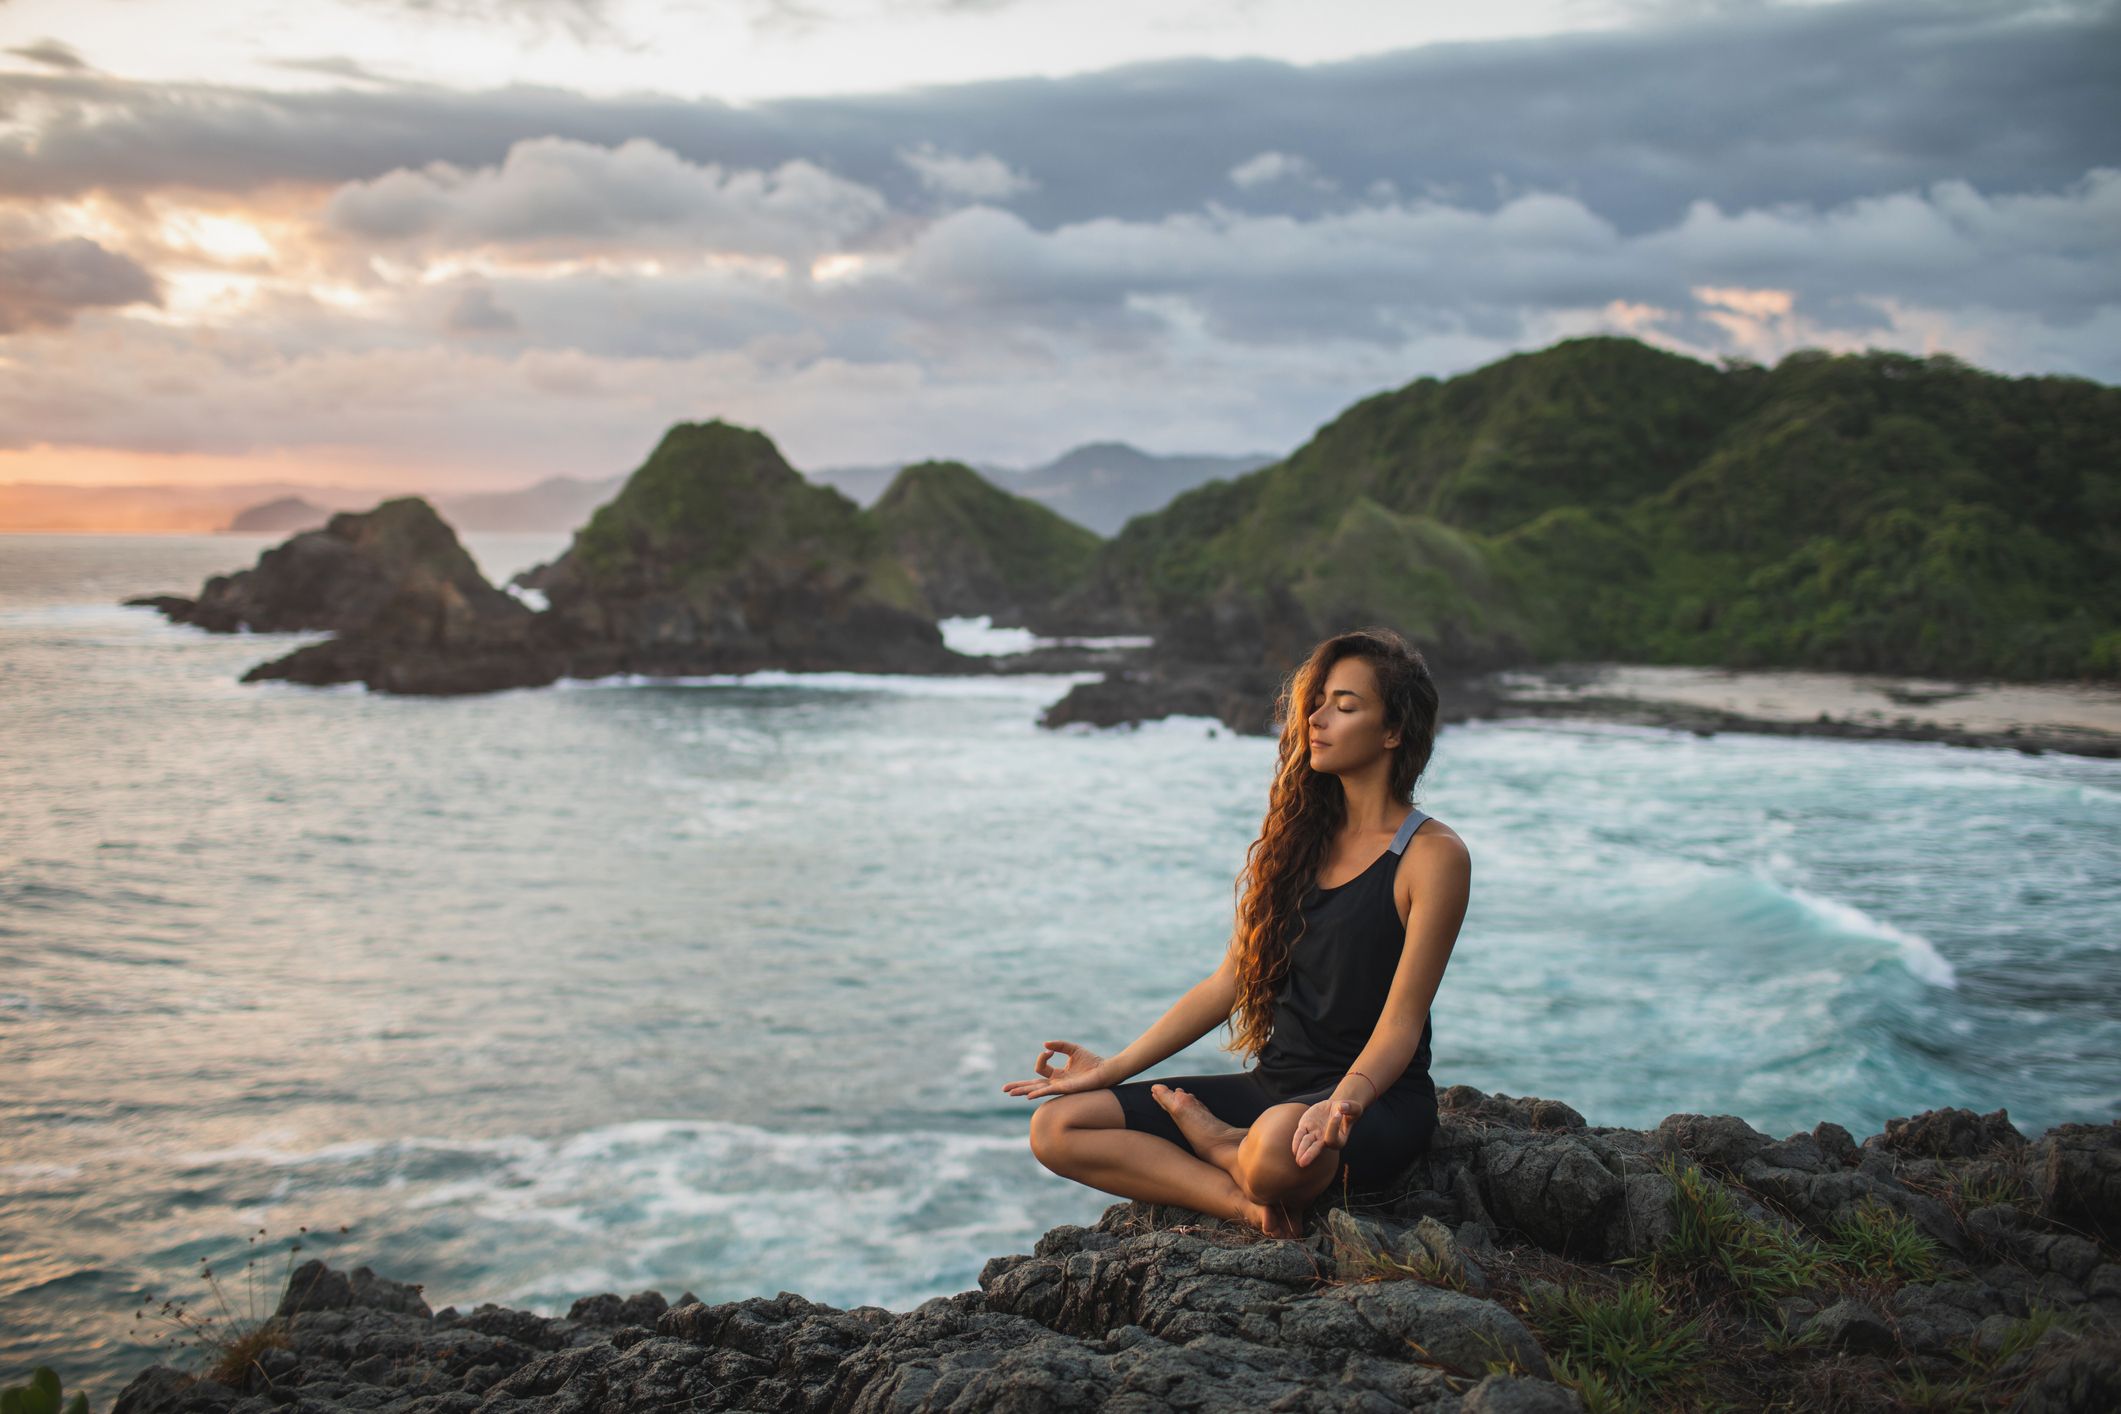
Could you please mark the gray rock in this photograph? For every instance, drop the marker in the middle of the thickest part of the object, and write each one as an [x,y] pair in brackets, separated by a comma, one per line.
[1854,1327]
[1643,1221]
[1516,1394]
[2087,1381]
[1456,1330]
[2079,1172]
[1154,1307]
[1723,1142]
[1453,1262]
[1950,1133]
[1562,1191]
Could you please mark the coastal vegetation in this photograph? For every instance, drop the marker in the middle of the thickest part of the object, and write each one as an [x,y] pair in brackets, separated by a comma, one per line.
[1605,499]
[973,548]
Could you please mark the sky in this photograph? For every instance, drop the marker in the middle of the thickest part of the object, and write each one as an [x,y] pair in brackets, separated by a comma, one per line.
[467,244]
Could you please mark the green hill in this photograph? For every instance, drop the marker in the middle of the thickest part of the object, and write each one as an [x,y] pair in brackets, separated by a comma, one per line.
[714,498]
[716,550]
[973,548]
[1602,498]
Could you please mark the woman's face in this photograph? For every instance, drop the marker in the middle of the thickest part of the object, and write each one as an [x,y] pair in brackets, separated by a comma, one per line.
[1348,720]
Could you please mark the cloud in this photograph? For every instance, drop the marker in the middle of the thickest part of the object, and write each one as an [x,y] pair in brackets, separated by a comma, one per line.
[1249,328]
[585,21]
[475,312]
[984,177]
[524,279]
[1268,168]
[44,286]
[336,66]
[53,54]
[1747,109]
[557,194]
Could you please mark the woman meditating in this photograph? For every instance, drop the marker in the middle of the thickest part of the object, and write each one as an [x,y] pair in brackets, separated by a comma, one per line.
[1349,904]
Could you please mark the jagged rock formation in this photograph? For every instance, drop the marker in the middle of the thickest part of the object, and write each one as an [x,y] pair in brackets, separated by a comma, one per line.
[972,548]
[409,607]
[717,556]
[1946,1252]
[347,577]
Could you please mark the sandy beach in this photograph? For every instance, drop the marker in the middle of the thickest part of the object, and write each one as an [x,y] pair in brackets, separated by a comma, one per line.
[2083,718]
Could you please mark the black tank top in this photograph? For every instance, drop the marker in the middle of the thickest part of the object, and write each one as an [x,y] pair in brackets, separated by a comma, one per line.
[1340,971]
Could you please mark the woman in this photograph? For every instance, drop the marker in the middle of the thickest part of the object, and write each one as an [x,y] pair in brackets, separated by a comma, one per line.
[1348,907]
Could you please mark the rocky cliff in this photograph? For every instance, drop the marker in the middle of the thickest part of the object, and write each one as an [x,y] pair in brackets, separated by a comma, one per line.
[408,607]
[715,557]
[1528,1262]
[972,548]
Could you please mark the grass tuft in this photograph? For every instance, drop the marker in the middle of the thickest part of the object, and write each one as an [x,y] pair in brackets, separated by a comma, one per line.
[1884,1246]
[1622,1344]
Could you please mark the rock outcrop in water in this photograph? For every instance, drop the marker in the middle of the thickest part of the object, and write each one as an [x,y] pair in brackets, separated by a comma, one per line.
[353,576]
[409,609]
[715,557]
[718,557]
[1528,1262]
[972,548]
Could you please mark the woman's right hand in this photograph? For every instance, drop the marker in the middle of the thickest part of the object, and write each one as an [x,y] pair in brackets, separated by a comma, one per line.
[1085,1071]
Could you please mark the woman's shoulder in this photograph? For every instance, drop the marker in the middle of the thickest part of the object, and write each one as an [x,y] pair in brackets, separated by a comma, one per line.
[1434,844]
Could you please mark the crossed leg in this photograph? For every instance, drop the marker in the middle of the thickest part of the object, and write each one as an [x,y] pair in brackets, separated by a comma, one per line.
[1249,1175]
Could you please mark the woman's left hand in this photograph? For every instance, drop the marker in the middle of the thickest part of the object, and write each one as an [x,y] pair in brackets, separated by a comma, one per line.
[1324,1126]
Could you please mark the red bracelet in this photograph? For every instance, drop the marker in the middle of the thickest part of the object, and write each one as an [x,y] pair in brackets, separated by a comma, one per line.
[1373,1084]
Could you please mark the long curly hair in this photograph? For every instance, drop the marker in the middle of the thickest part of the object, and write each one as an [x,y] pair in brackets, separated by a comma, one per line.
[1306,809]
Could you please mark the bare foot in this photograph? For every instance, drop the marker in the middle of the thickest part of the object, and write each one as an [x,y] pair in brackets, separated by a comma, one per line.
[1210,1137]
[1271,1218]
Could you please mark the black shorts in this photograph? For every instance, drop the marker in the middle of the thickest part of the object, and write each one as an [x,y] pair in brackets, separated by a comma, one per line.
[1388,1136]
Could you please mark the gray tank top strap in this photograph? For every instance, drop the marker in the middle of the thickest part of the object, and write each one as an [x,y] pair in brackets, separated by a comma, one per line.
[1406,830]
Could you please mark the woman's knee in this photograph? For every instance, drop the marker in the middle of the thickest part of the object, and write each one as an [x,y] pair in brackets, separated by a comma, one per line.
[1052,1121]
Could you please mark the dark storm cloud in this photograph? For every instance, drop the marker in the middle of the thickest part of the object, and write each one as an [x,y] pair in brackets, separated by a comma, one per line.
[1745,108]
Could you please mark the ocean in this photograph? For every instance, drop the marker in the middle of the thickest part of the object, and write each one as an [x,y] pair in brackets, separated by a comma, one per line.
[712,985]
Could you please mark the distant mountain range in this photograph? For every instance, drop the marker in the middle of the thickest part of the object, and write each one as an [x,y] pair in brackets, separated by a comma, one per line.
[1099,485]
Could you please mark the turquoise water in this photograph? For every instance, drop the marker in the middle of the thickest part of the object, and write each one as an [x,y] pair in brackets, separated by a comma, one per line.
[714,985]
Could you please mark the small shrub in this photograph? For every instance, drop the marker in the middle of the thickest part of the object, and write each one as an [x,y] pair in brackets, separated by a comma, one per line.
[230,1343]
[2026,1331]
[1599,1394]
[1624,1343]
[1972,1188]
[1882,1245]
[1763,1261]
[41,1396]
[1916,1391]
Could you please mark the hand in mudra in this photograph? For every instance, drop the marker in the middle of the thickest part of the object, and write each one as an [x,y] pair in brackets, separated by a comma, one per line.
[1326,1125]
[1085,1071]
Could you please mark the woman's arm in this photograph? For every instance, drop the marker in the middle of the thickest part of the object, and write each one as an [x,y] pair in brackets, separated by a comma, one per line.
[1205,1006]
[1441,872]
